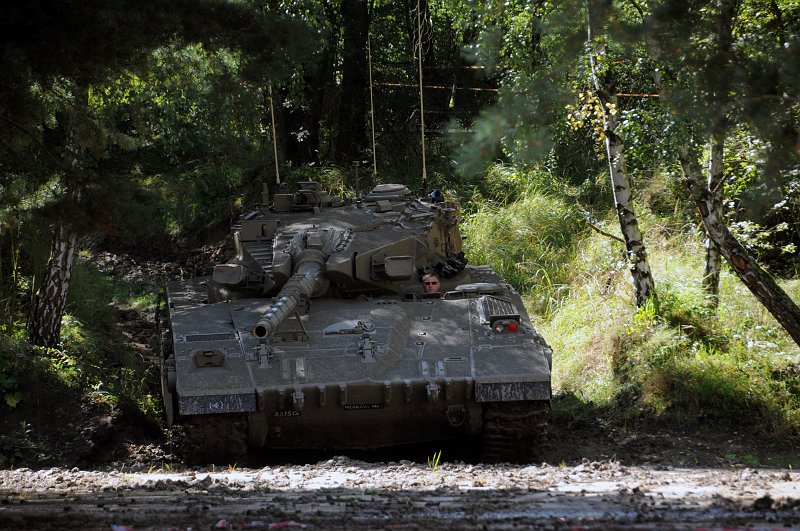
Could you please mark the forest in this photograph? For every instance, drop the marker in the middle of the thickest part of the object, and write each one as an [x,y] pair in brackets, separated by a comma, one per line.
[632,167]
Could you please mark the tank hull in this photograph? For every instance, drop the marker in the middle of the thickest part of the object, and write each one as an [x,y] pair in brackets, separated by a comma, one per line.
[423,372]
[319,334]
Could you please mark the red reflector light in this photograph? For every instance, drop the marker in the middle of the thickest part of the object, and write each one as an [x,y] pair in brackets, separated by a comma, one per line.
[506,325]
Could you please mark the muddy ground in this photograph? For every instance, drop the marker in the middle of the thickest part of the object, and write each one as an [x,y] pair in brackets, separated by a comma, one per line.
[343,493]
[88,465]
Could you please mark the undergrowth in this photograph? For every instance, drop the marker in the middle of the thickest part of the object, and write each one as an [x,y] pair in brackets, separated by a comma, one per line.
[91,363]
[527,235]
[677,359]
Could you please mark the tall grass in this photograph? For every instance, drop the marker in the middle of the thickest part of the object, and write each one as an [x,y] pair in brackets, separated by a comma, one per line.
[526,235]
[735,365]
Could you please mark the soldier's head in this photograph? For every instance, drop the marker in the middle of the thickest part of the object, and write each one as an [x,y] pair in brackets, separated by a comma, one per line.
[430,283]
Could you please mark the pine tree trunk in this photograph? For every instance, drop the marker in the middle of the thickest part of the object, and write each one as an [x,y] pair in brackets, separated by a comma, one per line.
[351,137]
[713,258]
[45,326]
[644,287]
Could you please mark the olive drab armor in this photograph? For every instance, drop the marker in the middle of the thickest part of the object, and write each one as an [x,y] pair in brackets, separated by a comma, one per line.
[317,333]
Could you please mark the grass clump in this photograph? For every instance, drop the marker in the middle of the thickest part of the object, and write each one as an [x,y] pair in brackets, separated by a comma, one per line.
[679,358]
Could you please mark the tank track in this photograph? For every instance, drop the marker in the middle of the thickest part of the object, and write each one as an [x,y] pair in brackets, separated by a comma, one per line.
[514,432]
[218,439]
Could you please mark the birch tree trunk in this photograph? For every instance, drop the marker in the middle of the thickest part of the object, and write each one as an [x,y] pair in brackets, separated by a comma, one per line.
[644,287]
[45,326]
[713,258]
[757,280]
[721,61]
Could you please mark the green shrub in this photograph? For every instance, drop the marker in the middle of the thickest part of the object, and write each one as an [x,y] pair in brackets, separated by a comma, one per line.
[12,356]
[733,366]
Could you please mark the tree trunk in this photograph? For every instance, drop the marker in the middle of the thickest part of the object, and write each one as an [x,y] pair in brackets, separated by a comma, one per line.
[721,63]
[644,287]
[713,265]
[351,137]
[757,280]
[45,326]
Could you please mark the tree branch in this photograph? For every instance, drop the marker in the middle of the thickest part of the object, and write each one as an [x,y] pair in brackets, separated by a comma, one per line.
[36,140]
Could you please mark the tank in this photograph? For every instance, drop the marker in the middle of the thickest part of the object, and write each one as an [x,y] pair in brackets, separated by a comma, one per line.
[319,334]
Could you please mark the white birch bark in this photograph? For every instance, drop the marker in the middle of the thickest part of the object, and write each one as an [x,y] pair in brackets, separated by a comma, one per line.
[758,281]
[644,287]
[713,264]
[45,326]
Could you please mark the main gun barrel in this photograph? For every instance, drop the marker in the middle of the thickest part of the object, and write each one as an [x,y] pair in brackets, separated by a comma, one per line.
[308,281]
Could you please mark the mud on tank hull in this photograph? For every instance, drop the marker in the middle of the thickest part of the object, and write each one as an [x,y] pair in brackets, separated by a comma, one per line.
[358,373]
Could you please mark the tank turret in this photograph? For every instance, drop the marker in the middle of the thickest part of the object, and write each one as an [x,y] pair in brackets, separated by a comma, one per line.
[319,333]
[309,252]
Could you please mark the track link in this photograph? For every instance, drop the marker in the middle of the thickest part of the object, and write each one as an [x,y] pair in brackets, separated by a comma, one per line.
[217,439]
[514,432]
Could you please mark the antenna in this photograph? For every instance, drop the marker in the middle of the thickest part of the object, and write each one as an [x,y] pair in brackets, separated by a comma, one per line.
[421,102]
[274,136]
[372,107]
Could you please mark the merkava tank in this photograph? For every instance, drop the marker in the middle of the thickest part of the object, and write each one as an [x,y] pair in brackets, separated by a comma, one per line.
[318,334]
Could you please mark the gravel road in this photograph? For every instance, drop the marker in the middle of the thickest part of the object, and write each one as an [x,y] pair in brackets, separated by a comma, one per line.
[344,493]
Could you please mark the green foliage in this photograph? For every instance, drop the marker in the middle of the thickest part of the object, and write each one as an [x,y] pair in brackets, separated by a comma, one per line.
[331,178]
[91,358]
[433,461]
[199,199]
[12,352]
[172,119]
[94,295]
[680,359]
[528,240]
[13,446]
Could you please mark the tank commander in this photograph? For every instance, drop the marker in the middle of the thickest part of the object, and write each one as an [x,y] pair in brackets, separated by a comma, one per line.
[430,283]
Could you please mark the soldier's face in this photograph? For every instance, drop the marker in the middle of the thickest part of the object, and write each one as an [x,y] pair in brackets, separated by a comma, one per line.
[430,284]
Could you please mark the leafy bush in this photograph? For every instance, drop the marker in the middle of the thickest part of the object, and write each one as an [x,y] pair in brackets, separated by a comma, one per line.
[12,352]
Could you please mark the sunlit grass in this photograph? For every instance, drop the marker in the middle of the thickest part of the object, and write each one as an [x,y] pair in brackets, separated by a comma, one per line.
[678,357]
[684,359]
[528,242]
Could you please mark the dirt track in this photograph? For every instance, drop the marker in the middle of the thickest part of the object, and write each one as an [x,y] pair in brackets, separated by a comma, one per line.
[343,493]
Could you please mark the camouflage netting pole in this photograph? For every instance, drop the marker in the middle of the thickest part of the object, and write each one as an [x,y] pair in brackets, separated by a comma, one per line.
[274,136]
